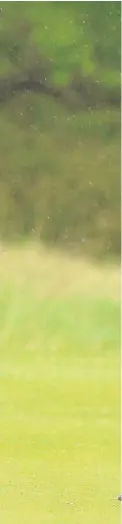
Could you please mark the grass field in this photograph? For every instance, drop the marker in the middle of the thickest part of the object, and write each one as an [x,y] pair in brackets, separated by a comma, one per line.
[59,389]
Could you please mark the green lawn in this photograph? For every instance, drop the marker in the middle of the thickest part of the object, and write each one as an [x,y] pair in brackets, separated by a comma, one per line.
[59,390]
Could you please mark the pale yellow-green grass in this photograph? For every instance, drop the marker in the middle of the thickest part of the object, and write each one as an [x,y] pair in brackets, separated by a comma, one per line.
[59,389]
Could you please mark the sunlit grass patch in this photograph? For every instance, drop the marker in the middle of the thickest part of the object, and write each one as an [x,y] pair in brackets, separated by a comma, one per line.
[59,389]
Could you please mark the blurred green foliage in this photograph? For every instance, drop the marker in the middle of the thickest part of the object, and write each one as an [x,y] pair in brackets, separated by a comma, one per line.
[60,123]
[73,38]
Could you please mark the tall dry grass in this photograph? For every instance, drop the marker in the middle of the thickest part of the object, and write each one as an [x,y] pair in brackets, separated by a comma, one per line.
[54,273]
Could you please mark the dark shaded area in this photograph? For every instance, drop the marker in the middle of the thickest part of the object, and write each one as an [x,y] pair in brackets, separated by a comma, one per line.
[60,124]
[84,94]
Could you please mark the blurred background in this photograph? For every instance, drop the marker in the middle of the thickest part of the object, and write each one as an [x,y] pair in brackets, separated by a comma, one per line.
[60,124]
[60,262]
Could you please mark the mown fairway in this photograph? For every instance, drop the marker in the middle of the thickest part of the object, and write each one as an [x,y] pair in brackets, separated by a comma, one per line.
[59,390]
